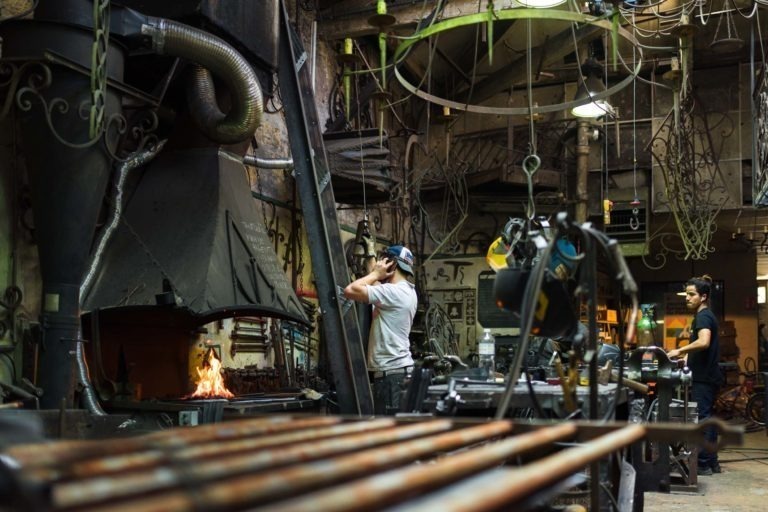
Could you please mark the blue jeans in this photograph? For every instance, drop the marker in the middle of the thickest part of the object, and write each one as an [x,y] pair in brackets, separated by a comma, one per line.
[387,392]
[704,395]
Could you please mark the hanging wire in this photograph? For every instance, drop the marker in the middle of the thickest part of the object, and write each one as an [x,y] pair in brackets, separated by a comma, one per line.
[532,162]
[604,153]
[360,142]
[474,66]
[634,125]
[372,72]
[529,73]
[732,33]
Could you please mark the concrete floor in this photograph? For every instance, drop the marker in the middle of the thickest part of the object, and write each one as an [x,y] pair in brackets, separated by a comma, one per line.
[741,487]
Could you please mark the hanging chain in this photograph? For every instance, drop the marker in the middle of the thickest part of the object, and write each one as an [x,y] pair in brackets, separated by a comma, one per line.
[99,53]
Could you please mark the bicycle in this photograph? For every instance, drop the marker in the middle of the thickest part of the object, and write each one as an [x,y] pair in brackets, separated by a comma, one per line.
[745,401]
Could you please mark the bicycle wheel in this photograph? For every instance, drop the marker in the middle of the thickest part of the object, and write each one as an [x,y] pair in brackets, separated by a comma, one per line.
[756,408]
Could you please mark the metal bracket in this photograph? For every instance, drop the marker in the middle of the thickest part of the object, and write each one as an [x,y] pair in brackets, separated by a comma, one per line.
[324,181]
[188,418]
[344,302]
[300,61]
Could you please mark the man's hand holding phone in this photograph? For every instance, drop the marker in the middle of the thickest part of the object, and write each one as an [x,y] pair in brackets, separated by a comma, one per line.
[384,268]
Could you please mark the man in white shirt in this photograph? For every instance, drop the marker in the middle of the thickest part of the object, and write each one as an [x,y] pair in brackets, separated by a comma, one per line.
[393,297]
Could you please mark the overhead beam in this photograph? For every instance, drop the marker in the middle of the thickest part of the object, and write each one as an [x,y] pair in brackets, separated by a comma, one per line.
[552,52]
[350,19]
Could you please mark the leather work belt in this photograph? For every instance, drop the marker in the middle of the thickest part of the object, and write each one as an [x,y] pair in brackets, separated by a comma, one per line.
[383,373]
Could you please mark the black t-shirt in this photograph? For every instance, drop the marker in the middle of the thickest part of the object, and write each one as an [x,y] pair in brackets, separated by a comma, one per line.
[704,363]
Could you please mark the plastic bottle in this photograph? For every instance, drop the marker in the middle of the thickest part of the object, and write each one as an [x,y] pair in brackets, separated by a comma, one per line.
[486,348]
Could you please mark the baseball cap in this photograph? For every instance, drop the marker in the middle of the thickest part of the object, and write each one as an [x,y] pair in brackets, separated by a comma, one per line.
[402,255]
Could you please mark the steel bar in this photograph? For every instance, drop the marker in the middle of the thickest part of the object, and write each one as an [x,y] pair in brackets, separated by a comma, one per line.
[324,463]
[247,334]
[120,464]
[524,482]
[237,488]
[292,480]
[387,488]
[62,453]
[405,445]
[247,348]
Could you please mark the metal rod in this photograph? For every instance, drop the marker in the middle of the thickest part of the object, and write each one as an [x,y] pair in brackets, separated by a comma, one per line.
[390,487]
[404,444]
[217,467]
[522,483]
[141,477]
[63,453]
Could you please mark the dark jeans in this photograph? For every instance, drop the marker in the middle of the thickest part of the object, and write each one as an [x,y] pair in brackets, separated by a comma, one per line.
[387,392]
[704,395]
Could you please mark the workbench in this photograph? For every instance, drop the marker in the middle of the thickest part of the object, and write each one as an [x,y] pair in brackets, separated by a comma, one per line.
[482,399]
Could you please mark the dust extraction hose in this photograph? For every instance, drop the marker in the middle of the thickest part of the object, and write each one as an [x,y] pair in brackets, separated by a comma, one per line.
[268,163]
[216,57]
[138,159]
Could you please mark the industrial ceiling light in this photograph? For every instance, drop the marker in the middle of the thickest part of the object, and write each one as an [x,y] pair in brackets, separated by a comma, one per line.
[542,4]
[588,88]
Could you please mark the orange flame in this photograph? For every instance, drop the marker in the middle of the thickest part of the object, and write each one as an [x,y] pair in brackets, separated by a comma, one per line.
[210,383]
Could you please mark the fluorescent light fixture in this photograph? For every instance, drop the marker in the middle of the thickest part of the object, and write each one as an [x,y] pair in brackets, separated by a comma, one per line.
[761,294]
[682,294]
[540,4]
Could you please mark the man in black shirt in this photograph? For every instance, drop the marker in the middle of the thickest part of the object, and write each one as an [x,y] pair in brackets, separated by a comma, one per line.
[703,357]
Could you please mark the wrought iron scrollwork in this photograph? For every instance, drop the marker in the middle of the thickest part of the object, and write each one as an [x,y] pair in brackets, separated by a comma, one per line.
[760,169]
[694,188]
[440,331]
[27,84]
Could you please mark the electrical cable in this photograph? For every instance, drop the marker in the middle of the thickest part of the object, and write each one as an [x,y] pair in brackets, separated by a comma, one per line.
[531,292]
[609,248]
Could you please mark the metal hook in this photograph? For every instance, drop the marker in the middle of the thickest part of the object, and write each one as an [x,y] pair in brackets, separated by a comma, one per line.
[531,164]
[634,222]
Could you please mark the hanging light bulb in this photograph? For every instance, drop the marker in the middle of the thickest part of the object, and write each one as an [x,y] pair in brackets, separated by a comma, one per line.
[588,88]
[542,4]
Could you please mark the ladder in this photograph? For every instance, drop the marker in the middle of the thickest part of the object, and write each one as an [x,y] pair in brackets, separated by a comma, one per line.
[313,182]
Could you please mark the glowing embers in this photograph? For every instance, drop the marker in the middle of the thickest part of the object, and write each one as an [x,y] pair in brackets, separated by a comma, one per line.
[210,383]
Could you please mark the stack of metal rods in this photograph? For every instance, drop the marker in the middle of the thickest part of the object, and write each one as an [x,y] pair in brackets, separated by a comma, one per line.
[305,463]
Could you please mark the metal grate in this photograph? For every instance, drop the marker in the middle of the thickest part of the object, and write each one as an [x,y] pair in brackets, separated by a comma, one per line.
[622,223]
